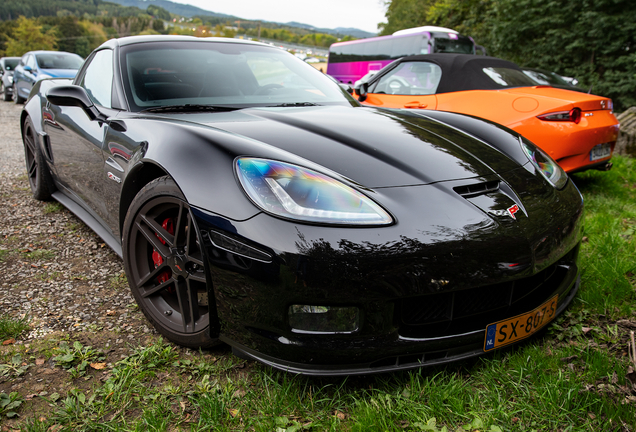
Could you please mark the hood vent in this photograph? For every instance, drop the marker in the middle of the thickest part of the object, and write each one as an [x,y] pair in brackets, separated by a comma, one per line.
[473,190]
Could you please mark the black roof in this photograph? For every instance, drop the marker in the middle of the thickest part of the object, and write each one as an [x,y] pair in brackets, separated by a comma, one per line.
[464,71]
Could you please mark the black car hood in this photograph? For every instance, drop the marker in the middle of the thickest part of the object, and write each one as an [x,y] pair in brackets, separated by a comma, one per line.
[375,148]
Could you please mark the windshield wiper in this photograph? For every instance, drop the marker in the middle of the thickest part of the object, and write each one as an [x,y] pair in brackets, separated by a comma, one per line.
[294,104]
[190,108]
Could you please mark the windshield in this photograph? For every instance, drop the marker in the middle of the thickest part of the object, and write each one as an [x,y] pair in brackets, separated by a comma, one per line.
[222,74]
[10,64]
[509,77]
[59,61]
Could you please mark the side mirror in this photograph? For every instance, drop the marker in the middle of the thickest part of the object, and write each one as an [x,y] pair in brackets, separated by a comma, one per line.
[28,69]
[72,95]
[363,91]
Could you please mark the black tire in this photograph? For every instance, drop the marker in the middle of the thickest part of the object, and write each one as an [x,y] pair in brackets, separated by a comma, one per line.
[6,96]
[166,271]
[16,97]
[38,173]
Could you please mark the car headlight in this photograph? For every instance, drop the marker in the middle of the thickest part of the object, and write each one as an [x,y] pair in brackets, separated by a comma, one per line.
[303,194]
[10,79]
[551,170]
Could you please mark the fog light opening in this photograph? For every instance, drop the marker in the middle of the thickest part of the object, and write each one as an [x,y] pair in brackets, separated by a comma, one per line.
[314,319]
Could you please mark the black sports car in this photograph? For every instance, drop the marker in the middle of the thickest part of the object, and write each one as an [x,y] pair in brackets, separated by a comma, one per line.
[255,202]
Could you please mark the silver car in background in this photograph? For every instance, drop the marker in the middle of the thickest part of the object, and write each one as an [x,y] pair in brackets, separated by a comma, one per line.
[7,65]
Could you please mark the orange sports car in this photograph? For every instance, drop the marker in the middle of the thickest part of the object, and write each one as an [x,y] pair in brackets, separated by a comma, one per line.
[578,130]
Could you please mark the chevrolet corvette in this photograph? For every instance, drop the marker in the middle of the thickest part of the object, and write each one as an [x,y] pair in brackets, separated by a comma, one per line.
[254,202]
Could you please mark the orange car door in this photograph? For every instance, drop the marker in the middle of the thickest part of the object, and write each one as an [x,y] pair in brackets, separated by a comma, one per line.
[402,101]
[409,85]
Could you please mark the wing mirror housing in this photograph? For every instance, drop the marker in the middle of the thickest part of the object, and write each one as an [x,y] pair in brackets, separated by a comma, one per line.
[73,95]
[363,91]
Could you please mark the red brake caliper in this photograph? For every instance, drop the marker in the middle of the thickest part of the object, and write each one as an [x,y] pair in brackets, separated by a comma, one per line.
[168,225]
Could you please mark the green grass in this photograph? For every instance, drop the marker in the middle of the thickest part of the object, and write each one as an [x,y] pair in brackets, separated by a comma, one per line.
[12,327]
[52,207]
[40,254]
[573,377]
[118,282]
[609,254]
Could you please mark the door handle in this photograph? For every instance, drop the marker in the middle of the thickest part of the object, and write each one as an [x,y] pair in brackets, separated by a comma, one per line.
[415,104]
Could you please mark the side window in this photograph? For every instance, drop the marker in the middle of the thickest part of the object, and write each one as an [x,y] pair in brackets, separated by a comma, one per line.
[410,78]
[31,62]
[98,78]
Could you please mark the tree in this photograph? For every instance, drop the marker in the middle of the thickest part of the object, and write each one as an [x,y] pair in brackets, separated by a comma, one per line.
[403,14]
[592,40]
[159,13]
[82,47]
[474,18]
[68,31]
[28,36]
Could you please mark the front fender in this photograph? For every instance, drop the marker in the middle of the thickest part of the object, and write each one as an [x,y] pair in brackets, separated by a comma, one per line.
[197,158]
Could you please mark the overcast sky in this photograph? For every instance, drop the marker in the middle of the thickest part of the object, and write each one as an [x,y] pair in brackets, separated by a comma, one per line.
[361,14]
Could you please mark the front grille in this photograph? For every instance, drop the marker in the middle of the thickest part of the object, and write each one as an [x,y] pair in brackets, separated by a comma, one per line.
[463,311]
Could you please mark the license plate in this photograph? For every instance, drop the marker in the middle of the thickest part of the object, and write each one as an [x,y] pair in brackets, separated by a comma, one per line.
[520,327]
[600,151]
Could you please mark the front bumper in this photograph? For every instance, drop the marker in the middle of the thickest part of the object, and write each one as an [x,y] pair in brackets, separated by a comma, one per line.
[424,296]
[432,351]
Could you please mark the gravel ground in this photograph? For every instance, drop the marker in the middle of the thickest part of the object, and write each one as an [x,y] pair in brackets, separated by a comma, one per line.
[56,271]
[66,282]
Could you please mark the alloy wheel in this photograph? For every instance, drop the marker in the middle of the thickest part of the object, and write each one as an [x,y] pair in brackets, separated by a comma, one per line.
[166,262]
[33,170]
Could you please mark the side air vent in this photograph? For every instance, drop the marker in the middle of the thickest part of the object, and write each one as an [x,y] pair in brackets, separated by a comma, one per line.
[476,189]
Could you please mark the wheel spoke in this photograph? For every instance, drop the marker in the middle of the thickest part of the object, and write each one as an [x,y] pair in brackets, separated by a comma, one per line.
[152,239]
[158,229]
[33,168]
[28,139]
[188,304]
[196,260]
[197,277]
[193,249]
[188,233]
[152,274]
[194,303]
[158,288]
[177,231]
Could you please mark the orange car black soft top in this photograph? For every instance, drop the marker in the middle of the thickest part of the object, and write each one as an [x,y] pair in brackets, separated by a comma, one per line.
[466,72]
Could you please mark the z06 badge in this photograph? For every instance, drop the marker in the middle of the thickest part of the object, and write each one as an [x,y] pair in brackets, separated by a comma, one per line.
[510,211]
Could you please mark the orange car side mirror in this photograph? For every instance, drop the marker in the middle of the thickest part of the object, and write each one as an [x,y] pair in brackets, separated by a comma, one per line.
[362,91]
